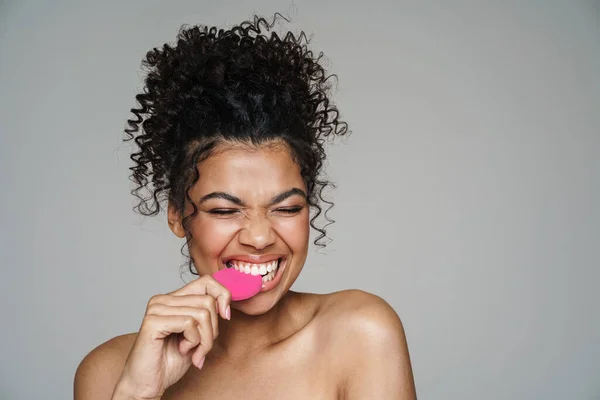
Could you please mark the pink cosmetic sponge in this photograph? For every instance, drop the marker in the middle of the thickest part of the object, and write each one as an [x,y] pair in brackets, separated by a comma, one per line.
[241,286]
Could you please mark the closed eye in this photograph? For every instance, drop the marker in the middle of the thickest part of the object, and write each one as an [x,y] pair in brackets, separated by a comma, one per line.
[231,211]
[289,210]
[223,211]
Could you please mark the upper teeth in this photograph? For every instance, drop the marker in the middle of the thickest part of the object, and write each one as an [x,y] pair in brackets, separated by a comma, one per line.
[254,269]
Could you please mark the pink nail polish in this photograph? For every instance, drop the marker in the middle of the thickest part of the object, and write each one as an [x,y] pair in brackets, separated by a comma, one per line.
[201,363]
[228,313]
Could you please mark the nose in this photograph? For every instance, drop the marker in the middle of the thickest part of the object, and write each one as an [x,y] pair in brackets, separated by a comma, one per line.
[257,232]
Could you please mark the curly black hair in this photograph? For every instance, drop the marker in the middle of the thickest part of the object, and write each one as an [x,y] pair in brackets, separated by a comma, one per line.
[235,85]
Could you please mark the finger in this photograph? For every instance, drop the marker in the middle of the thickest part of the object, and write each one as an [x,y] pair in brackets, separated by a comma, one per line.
[158,327]
[203,315]
[207,285]
[189,342]
[206,344]
[191,300]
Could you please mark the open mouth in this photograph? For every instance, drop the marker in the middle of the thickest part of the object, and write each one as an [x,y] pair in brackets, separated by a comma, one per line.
[267,270]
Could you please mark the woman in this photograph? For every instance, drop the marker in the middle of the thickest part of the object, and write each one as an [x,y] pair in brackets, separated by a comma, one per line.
[230,129]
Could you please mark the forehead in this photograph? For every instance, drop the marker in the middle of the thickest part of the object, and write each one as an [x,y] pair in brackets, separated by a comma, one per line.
[249,170]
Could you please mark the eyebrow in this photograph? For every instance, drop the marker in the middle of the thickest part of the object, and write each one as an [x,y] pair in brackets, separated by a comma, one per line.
[239,202]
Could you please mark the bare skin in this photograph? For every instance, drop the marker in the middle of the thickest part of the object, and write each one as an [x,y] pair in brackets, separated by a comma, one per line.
[195,343]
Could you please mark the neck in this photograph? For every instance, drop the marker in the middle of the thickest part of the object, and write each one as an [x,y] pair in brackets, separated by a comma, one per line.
[246,334]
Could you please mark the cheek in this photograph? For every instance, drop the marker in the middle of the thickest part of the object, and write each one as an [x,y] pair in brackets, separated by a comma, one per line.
[211,237]
[294,231]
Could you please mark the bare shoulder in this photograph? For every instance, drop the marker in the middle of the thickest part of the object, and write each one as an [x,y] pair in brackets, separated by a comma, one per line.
[101,368]
[369,344]
[363,312]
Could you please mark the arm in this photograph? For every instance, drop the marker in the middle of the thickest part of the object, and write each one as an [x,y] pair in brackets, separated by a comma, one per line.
[377,362]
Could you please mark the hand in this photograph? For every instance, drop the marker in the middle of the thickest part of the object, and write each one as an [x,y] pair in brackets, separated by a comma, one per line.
[178,330]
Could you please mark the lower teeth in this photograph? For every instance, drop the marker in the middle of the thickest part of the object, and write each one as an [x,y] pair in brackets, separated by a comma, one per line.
[265,278]
[269,277]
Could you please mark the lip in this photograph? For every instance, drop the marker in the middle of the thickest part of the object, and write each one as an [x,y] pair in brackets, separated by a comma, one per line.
[254,259]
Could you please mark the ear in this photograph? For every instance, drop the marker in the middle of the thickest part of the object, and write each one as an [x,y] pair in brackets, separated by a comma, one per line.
[174,218]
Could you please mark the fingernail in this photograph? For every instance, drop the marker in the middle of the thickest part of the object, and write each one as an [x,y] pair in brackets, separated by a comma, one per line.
[201,363]
[228,313]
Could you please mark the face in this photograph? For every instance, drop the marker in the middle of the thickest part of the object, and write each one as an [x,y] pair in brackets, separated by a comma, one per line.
[252,214]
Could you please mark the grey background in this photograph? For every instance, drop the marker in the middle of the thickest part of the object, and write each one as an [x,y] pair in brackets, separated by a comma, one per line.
[467,195]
